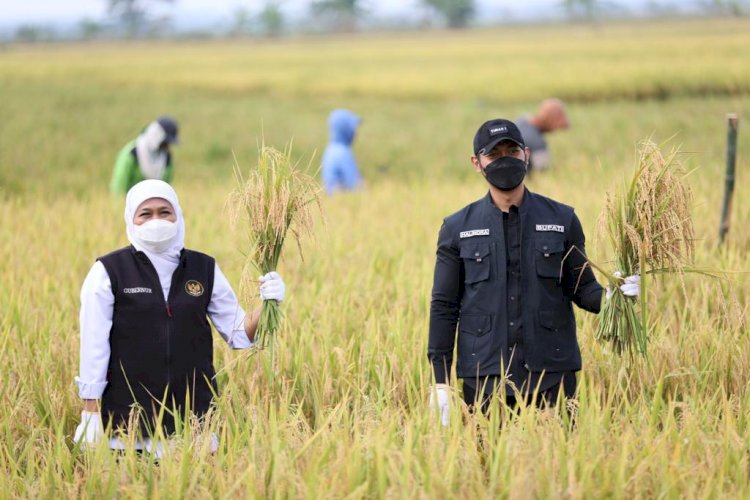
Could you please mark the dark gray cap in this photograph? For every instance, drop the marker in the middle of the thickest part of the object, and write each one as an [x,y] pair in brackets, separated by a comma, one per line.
[492,132]
[169,125]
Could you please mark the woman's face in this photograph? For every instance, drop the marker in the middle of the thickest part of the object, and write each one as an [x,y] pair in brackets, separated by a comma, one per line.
[152,209]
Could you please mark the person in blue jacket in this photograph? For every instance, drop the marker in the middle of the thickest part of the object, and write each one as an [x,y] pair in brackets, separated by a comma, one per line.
[339,167]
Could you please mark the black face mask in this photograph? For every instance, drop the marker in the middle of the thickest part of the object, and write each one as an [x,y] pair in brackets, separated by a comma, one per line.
[505,173]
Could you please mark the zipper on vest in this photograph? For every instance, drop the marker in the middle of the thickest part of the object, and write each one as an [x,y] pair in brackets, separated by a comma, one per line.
[168,309]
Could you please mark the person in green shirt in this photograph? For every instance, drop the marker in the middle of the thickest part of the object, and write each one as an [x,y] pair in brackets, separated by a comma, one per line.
[146,157]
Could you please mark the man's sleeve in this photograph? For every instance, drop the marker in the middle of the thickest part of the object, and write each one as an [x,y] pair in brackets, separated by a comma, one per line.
[123,170]
[579,280]
[447,289]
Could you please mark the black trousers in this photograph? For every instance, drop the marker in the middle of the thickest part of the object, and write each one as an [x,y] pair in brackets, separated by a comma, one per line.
[543,399]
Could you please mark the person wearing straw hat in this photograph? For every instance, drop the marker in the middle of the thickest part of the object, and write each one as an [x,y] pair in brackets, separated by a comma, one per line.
[549,117]
[509,268]
[148,156]
[145,334]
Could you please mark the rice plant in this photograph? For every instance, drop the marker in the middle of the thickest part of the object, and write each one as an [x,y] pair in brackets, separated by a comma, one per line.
[274,200]
[650,230]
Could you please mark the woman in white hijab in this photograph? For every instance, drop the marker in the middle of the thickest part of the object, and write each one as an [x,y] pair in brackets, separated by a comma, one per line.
[145,338]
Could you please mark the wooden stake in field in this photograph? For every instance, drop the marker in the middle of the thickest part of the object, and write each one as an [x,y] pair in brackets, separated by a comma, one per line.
[726,207]
[276,199]
[650,230]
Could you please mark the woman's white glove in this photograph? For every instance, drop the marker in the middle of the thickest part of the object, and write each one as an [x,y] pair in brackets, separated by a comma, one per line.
[272,287]
[440,398]
[631,287]
[90,430]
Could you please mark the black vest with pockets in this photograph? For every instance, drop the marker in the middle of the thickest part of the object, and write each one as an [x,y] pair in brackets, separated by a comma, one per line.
[161,351]
[549,327]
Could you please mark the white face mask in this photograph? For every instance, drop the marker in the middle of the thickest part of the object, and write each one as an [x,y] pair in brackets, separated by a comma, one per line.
[155,235]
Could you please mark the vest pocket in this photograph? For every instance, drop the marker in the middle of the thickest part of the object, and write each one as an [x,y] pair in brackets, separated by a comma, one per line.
[554,321]
[556,340]
[477,325]
[476,259]
[549,258]
[473,342]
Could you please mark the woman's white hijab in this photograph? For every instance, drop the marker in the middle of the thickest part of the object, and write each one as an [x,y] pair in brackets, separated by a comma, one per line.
[165,262]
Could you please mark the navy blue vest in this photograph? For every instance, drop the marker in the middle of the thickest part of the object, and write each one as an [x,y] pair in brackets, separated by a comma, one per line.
[161,356]
[549,325]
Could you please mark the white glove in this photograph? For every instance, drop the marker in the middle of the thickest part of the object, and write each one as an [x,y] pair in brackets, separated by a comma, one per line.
[631,287]
[439,397]
[90,430]
[272,287]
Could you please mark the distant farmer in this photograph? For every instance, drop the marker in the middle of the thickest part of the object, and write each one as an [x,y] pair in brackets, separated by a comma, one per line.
[502,276]
[550,116]
[339,166]
[146,157]
[146,341]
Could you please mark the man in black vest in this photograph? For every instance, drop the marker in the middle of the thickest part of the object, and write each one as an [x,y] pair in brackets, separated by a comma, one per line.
[506,276]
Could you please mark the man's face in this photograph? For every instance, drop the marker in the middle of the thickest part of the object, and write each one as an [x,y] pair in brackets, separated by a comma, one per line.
[559,121]
[503,148]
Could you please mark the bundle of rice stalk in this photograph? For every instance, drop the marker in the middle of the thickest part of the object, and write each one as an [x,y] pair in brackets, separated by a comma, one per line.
[275,200]
[650,230]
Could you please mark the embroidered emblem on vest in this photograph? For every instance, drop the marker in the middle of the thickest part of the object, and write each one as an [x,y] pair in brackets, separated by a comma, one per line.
[550,227]
[474,232]
[137,289]
[194,288]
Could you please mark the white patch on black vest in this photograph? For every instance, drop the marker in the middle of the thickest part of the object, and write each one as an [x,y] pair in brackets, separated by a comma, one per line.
[550,228]
[474,232]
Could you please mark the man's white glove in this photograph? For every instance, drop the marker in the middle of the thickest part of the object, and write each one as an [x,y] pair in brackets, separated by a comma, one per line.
[631,287]
[439,397]
[90,430]
[272,287]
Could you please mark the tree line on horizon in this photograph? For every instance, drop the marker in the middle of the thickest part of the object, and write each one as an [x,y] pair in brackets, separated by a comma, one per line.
[132,19]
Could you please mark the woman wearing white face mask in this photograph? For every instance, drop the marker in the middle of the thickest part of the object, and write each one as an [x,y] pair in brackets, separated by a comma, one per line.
[145,335]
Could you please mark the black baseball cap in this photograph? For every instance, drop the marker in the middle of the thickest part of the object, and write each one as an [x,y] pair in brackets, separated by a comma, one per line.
[169,125]
[495,131]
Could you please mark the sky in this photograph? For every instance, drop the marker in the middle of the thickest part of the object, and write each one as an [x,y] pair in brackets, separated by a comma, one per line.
[62,10]
[55,12]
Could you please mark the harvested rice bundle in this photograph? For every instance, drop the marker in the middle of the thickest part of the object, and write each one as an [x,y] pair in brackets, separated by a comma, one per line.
[275,199]
[650,230]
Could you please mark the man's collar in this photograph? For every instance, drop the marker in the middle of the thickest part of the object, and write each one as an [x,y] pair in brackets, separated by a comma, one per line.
[523,208]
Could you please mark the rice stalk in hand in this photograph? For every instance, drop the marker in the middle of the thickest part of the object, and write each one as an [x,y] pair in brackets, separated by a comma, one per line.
[650,230]
[275,200]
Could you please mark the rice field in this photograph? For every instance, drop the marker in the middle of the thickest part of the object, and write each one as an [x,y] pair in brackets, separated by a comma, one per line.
[346,414]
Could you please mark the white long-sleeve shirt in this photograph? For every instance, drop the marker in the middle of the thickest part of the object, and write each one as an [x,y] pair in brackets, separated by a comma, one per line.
[97,306]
